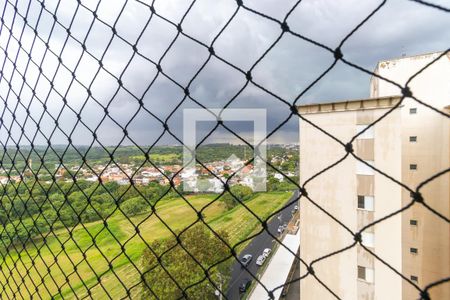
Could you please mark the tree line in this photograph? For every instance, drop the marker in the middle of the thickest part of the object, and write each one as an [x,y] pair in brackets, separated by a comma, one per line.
[27,210]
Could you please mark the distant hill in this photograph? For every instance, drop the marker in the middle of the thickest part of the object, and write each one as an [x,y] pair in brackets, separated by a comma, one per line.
[72,156]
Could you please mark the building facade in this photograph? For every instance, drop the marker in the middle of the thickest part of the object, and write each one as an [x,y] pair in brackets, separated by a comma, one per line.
[410,144]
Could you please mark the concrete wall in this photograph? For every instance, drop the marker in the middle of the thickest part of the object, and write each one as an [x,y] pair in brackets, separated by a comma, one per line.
[431,235]
[388,233]
[336,191]
[392,152]
[430,86]
[431,154]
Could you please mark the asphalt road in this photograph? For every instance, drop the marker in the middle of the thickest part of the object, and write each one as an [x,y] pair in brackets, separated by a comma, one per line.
[255,248]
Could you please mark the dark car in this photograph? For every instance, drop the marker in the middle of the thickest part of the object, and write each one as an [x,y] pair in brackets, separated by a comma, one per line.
[246,259]
[245,285]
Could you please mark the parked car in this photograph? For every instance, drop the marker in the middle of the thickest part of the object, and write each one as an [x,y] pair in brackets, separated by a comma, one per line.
[296,207]
[260,260]
[245,285]
[284,226]
[246,259]
[266,252]
[280,229]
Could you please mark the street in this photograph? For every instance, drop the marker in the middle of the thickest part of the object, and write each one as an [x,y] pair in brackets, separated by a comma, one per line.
[255,248]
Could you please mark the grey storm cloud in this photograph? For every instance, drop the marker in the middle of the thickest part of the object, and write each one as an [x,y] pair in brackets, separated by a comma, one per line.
[400,27]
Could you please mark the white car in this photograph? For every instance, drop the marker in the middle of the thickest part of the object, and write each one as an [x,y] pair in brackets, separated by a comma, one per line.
[246,259]
[280,229]
[266,252]
[260,260]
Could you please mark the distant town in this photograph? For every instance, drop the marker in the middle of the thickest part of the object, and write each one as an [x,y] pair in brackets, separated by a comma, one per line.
[164,166]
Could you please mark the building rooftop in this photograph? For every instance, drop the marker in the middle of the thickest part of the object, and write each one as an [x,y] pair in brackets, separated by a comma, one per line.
[368,103]
[414,57]
[345,105]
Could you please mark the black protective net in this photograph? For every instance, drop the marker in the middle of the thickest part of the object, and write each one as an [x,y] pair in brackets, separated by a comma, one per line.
[56,246]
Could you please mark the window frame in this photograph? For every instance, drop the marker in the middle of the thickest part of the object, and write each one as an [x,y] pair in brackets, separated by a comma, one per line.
[368,239]
[363,169]
[362,200]
[369,274]
[368,202]
[361,271]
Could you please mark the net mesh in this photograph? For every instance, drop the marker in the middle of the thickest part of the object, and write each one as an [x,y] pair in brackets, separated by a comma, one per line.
[62,255]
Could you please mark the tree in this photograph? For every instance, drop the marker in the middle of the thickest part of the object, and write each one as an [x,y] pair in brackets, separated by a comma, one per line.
[68,215]
[125,192]
[274,184]
[207,249]
[89,215]
[3,216]
[134,206]
[240,192]
[204,184]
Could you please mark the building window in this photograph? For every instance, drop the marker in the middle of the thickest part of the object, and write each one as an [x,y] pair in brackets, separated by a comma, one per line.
[367,239]
[368,134]
[365,202]
[413,250]
[414,279]
[363,169]
[361,273]
[413,139]
[412,111]
[413,167]
[413,222]
[365,274]
[361,202]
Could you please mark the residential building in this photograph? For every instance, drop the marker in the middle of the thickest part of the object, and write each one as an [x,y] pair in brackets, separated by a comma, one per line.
[410,144]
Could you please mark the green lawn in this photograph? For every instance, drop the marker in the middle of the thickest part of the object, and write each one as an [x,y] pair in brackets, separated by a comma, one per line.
[75,274]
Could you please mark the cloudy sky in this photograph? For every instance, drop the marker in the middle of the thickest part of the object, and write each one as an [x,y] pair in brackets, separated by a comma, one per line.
[400,27]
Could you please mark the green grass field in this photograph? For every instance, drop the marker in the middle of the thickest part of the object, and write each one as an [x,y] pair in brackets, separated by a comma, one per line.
[75,274]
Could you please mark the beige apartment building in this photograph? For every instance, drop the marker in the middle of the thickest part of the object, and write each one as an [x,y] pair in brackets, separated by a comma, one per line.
[410,144]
